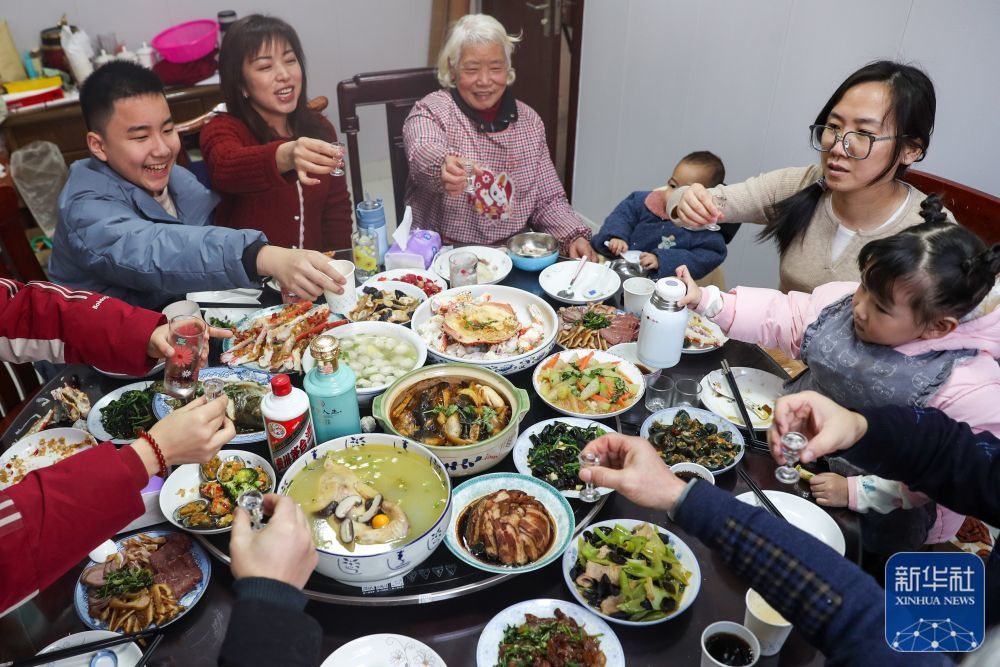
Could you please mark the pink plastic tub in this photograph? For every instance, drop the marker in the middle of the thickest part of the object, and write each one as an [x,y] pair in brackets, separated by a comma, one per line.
[187,41]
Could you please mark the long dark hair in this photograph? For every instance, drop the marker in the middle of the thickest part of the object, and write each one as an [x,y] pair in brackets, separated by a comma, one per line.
[244,39]
[947,269]
[912,104]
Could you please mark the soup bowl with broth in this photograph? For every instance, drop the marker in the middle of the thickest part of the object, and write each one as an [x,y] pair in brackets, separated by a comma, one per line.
[389,477]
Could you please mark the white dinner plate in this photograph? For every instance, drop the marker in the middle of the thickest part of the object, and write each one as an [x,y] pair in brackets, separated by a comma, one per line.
[523,446]
[804,515]
[234,296]
[28,453]
[487,652]
[182,486]
[125,376]
[596,282]
[383,650]
[755,385]
[128,654]
[232,315]
[718,338]
[627,368]
[666,416]
[681,550]
[396,274]
[494,264]
[94,424]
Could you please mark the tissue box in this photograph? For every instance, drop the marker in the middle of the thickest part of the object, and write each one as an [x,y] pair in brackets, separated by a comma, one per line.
[151,502]
[419,253]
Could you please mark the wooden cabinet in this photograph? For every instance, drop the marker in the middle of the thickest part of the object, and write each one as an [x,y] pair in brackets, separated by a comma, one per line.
[64,125]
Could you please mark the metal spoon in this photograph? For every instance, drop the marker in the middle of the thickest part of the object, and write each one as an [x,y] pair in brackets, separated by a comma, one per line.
[567,292]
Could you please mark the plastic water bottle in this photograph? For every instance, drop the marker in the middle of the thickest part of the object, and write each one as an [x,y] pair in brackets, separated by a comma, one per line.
[661,332]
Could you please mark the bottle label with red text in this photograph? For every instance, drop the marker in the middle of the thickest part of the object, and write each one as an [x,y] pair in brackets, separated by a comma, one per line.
[288,440]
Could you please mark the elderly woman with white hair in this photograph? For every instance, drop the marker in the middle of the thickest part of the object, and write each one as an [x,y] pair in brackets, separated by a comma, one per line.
[475,127]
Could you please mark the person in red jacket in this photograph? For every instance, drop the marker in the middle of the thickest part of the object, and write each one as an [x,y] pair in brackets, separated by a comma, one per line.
[56,515]
[270,156]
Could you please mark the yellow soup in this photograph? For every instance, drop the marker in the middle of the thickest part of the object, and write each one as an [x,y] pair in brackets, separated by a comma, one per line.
[402,477]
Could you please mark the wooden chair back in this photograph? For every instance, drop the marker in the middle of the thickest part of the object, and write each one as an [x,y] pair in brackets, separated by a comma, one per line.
[397,90]
[188,130]
[974,209]
[19,261]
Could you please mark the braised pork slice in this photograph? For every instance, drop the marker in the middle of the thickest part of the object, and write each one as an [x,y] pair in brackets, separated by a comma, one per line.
[509,527]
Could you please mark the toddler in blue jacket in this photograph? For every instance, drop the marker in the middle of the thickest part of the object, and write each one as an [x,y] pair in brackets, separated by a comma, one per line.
[640,223]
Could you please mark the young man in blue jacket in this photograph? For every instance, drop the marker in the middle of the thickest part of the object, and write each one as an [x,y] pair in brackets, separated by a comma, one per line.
[837,607]
[135,226]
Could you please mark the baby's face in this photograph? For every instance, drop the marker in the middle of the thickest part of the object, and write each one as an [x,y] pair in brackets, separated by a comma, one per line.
[686,173]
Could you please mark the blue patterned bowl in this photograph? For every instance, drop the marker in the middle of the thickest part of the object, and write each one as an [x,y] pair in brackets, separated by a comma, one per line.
[357,570]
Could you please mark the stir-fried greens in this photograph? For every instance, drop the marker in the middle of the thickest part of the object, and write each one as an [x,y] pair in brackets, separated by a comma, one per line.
[595,320]
[687,439]
[630,574]
[129,579]
[559,641]
[581,385]
[130,413]
[555,452]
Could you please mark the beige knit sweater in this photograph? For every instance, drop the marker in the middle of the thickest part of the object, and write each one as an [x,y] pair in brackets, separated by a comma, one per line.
[807,263]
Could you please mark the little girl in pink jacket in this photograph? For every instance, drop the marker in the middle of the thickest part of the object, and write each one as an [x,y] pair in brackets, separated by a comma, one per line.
[922,328]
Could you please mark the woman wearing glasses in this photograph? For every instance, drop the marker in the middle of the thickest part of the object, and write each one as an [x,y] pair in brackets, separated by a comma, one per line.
[875,125]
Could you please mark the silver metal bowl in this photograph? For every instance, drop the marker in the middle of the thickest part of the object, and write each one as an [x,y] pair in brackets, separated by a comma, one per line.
[533,244]
[626,270]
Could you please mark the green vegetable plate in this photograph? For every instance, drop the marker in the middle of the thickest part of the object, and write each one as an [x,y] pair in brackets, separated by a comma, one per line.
[113,415]
[649,579]
[556,455]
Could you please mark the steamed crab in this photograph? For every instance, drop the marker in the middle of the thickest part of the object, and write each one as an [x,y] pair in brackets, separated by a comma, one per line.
[482,322]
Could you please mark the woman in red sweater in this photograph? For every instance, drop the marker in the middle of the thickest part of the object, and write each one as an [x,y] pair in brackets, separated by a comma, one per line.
[270,156]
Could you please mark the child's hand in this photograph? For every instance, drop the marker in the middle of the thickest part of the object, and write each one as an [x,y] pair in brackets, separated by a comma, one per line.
[693,296]
[648,260]
[617,246]
[829,489]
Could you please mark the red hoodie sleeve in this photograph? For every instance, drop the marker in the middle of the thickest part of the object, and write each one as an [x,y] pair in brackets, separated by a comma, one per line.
[46,321]
[55,516]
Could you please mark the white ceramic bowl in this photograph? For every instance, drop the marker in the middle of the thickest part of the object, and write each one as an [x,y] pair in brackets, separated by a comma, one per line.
[181,487]
[627,368]
[498,260]
[356,570]
[384,649]
[519,300]
[523,447]
[597,282]
[470,491]
[700,471]
[755,385]
[804,515]
[683,552]
[398,331]
[464,460]
[128,655]
[666,416]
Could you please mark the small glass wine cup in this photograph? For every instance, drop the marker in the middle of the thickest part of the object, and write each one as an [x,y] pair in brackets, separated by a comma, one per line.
[253,503]
[589,493]
[470,177]
[720,203]
[791,445]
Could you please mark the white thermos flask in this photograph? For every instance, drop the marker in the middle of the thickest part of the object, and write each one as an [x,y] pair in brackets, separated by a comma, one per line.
[661,333]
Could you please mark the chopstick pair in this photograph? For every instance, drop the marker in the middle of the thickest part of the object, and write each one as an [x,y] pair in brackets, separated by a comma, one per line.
[89,647]
[752,440]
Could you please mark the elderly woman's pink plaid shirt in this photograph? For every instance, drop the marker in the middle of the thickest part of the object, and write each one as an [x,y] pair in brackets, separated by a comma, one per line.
[437,127]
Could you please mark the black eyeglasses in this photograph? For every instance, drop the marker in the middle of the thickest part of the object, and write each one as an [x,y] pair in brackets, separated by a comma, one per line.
[857,145]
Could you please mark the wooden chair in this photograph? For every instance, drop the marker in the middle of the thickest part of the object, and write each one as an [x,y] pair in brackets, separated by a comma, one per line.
[188,130]
[19,260]
[975,209]
[398,90]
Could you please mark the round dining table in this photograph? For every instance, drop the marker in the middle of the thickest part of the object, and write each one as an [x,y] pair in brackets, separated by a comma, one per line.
[449,622]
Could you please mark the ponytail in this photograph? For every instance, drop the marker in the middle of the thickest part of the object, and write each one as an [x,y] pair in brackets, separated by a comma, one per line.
[946,268]
[791,216]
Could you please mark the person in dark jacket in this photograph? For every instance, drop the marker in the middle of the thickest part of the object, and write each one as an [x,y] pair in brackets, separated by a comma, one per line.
[640,222]
[839,608]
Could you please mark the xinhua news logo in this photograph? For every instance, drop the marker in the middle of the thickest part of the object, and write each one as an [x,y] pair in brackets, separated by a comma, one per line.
[935,602]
